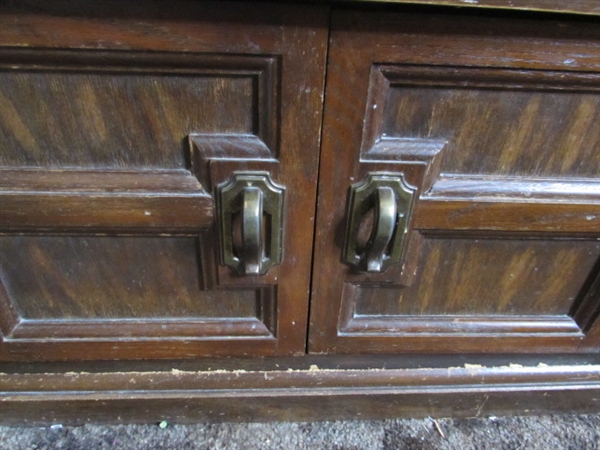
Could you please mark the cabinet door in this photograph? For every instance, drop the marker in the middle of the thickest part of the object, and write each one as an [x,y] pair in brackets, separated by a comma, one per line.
[120,123]
[459,203]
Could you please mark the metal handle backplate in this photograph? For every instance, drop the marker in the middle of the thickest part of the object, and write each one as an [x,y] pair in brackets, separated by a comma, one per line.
[254,198]
[390,199]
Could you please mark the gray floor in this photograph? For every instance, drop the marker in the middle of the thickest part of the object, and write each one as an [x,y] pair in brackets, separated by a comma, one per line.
[544,433]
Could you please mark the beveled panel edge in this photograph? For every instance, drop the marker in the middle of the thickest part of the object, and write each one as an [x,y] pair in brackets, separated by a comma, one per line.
[113,349]
[460,326]
[135,330]
[129,61]
[489,78]
[586,308]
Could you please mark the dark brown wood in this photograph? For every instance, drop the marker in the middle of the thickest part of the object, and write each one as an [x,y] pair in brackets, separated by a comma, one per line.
[67,293]
[118,122]
[323,388]
[103,201]
[510,206]
[113,119]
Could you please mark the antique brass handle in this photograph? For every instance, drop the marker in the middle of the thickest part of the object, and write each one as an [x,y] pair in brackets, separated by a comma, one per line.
[252,230]
[390,199]
[257,201]
[385,223]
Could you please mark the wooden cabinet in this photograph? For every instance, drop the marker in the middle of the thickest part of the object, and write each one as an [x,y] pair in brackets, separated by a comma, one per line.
[384,201]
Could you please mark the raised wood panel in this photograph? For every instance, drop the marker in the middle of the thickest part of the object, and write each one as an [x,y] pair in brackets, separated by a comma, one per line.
[114,121]
[55,277]
[474,277]
[128,110]
[500,122]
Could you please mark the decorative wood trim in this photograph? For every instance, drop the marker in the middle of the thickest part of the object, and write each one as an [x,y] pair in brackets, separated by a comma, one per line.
[489,78]
[21,350]
[119,336]
[108,201]
[89,329]
[236,149]
[306,377]
[313,388]
[533,190]
[510,204]
[586,308]
[465,327]
[507,216]
[455,333]
[452,326]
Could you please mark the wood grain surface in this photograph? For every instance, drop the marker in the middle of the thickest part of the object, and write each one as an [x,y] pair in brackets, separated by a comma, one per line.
[516,211]
[107,228]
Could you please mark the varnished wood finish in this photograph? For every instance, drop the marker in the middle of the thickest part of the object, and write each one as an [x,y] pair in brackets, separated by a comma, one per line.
[537,123]
[306,388]
[56,277]
[99,104]
[103,201]
[511,202]
[119,110]
[119,119]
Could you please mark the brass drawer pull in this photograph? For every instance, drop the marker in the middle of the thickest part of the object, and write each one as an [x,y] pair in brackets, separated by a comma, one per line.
[252,230]
[254,199]
[390,199]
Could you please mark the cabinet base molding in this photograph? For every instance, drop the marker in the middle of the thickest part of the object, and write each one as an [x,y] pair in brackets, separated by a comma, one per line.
[298,389]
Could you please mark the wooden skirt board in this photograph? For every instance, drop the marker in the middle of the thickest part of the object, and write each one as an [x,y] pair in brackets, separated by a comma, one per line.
[298,389]
[496,128]
[436,176]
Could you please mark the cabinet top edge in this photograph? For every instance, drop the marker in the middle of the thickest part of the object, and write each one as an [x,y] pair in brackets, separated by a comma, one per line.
[579,7]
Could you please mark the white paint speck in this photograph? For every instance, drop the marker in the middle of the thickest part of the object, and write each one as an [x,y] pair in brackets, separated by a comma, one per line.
[569,61]
[147,213]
